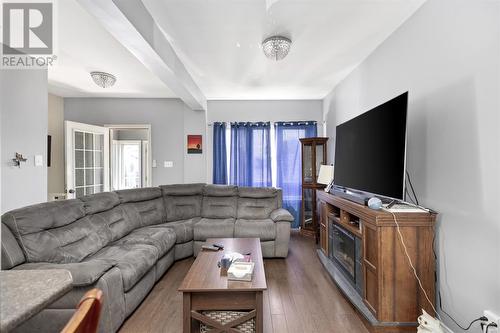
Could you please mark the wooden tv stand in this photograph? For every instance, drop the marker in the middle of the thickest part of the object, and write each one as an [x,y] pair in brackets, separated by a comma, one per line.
[390,299]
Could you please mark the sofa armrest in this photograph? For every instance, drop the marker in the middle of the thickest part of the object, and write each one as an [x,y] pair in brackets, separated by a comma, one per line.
[281,215]
[83,273]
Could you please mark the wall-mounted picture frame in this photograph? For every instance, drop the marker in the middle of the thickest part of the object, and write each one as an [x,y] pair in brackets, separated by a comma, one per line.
[194,144]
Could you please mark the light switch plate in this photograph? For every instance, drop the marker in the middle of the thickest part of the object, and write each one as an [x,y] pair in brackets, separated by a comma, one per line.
[38,160]
[154,163]
[168,164]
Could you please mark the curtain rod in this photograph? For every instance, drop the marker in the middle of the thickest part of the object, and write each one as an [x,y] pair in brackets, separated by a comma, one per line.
[267,121]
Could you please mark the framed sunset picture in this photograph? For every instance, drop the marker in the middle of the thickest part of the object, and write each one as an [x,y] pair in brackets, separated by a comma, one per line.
[194,144]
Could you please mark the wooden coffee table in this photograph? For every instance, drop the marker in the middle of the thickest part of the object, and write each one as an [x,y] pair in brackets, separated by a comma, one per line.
[204,289]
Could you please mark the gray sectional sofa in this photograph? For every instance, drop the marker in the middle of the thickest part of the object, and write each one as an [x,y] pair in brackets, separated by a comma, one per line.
[123,242]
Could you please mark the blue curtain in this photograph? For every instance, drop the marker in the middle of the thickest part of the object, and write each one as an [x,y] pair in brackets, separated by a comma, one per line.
[250,162]
[289,163]
[220,156]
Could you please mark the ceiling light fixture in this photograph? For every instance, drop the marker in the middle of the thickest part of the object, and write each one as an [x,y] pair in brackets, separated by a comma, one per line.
[276,47]
[102,79]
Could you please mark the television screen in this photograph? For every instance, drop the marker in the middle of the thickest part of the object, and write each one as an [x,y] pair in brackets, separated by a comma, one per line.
[370,150]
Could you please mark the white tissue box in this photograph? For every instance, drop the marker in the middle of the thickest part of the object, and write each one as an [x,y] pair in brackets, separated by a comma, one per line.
[240,271]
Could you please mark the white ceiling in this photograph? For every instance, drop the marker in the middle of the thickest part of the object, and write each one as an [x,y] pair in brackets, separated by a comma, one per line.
[84,46]
[219,42]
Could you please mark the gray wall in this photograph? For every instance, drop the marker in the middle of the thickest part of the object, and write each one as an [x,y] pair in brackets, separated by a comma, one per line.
[265,110]
[55,173]
[23,100]
[167,119]
[448,57]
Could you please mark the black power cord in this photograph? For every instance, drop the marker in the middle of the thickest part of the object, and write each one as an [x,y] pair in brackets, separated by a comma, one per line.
[408,196]
[411,187]
[482,318]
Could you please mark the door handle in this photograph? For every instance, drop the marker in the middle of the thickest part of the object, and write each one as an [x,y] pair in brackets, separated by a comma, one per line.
[71,191]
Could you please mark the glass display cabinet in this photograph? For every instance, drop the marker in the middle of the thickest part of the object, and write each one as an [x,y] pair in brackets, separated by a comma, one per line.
[313,155]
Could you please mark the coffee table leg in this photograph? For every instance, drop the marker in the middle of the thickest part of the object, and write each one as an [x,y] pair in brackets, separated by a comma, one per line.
[259,325]
[186,312]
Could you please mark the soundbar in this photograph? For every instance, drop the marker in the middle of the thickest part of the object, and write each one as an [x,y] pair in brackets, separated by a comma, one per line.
[358,197]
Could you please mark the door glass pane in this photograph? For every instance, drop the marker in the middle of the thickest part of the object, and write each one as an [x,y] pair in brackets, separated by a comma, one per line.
[89,141]
[80,192]
[127,163]
[307,161]
[319,159]
[89,190]
[308,207]
[98,141]
[132,165]
[98,176]
[78,140]
[98,163]
[79,177]
[89,163]
[89,159]
[89,176]
[79,163]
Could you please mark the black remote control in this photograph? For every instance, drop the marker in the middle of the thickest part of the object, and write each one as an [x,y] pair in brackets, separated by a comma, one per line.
[220,246]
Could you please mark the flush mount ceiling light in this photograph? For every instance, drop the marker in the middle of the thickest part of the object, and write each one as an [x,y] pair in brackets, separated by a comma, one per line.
[102,79]
[276,47]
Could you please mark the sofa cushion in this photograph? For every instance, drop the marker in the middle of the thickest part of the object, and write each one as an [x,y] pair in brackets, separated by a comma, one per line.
[12,255]
[83,273]
[160,237]
[139,194]
[100,202]
[182,201]
[256,208]
[264,229]
[219,207]
[56,232]
[183,229]
[257,192]
[133,260]
[213,228]
[145,213]
[281,214]
[66,244]
[43,216]
[182,207]
[182,189]
[114,223]
[220,190]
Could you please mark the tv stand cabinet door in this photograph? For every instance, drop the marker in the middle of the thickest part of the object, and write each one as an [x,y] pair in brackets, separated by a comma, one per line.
[370,267]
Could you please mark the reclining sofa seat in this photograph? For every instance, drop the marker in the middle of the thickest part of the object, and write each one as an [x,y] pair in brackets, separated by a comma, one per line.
[123,242]
[260,215]
[182,204]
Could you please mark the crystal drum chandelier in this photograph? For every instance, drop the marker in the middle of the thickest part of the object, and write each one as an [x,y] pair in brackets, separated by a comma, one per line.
[102,79]
[276,47]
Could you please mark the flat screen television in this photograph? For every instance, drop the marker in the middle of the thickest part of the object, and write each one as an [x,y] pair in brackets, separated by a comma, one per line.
[370,151]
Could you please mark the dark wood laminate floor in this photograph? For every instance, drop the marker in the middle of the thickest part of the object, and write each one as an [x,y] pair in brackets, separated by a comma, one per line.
[301,298]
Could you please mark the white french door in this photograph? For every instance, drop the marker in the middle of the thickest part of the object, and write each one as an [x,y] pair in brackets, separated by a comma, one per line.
[87,159]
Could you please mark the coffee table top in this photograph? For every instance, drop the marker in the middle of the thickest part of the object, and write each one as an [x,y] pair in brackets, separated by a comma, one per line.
[204,275]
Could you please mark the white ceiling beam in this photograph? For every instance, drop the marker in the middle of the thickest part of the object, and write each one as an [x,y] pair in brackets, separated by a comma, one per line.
[133,26]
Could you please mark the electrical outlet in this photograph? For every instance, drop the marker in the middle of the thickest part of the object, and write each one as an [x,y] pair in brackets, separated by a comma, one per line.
[38,160]
[492,318]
